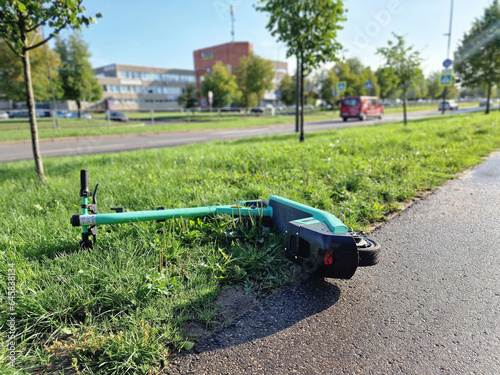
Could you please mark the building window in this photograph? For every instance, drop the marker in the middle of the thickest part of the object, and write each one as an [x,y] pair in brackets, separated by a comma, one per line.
[111,88]
[172,90]
[129,75]
[188,79]
[151,76]
[170,77]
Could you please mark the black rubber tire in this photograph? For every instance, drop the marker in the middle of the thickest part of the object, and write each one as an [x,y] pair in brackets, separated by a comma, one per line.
[369,255]
[344,118]
[362,117]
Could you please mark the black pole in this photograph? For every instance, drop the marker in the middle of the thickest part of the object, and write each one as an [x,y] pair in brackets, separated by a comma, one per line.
[444,98]
[301,138]
[297,96]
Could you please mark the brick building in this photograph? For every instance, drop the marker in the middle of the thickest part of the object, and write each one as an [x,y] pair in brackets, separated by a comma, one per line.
[229,54]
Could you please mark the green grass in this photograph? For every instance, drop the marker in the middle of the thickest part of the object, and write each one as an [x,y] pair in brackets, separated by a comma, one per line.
[426,107]
[111,310]
[18,130]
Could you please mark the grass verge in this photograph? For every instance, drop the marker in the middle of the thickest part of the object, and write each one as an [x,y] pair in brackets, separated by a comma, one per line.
[18,130]
[122,307]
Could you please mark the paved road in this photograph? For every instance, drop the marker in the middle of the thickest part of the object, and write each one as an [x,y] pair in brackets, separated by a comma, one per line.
[100,144]
[432,306]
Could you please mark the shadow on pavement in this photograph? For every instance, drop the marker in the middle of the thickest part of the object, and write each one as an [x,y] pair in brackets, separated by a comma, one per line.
[278,312]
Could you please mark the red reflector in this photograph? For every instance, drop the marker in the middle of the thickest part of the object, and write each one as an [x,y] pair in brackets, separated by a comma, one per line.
[329,257]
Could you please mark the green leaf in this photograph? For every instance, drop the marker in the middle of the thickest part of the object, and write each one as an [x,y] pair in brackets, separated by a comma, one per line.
[188,345]
[21,7]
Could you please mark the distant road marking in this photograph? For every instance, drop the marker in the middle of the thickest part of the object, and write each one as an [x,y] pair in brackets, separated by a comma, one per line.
[191,139]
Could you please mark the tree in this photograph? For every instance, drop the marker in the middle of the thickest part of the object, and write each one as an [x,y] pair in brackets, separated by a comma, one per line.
[254,75]
[388,88]
[355,75]
[19,22]
[326,82]
[403,66]
[434,91]
[477,60]
[12,85]
[309,30]
[222,84]
[189,97]
[286,88]
[75,73]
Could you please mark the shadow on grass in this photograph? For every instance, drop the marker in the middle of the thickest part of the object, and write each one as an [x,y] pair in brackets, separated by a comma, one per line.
[282,310]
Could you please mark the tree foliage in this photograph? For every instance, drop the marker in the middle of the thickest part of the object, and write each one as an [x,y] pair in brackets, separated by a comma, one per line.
[402,65]
[222,84]
[254,75]
[190,96]
[326,82]
[307,27]
[76,76]
[386,81]
[434,91]
[309,30]
[286,88]
[477,60]
[12,86]
[19,23]
[356,75]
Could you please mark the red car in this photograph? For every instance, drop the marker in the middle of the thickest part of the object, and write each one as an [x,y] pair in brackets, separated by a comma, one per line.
[360,107]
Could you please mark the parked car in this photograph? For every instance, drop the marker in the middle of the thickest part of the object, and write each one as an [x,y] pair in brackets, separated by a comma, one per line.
[116,116]
[482,102]
[361,107]
[4,114]
[15,114]
[63,114]
[43,113]
[231,109]
[257,110]
[448,105]
[85,115]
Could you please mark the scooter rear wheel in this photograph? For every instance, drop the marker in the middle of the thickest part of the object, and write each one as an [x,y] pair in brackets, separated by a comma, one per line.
[369,252]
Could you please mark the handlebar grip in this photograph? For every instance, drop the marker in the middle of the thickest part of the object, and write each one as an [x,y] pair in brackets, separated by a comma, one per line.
[84,183]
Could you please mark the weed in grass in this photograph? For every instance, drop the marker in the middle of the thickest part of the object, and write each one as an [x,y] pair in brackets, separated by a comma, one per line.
[122,306]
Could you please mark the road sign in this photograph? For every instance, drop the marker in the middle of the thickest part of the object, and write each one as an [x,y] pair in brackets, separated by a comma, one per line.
[210,96]
[368,85]
[308,87]
[334,92]
[446,79]
[447,63]
[277,94]
[341,86]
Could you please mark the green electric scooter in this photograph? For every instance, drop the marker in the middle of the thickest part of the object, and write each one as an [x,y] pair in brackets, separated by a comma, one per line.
[318,241]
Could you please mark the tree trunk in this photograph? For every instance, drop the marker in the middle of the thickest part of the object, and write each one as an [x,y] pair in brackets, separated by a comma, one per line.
[79,106]
[487,111]
[301,138]
[404,106]
[30,102]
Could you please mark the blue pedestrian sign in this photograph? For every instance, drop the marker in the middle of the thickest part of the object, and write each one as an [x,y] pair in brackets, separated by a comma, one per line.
[446,79]
[308,87]
[341,86]
[368,85]
[277,94]
[447,63]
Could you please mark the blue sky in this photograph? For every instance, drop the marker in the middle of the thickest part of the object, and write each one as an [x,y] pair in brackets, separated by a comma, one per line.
[164,33]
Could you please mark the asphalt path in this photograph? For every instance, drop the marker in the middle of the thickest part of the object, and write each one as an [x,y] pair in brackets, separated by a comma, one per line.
[13,151]
[431,306]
